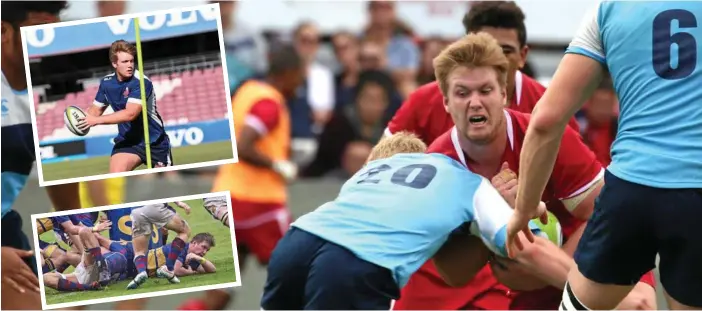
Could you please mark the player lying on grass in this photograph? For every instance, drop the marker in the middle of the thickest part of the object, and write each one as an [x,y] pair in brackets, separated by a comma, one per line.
[190,260]
[119,257]
[121,90]
[144,218]
[98,266]
[402,209]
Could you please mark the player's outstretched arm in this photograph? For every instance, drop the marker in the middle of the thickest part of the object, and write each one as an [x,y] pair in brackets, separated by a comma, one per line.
[576,78]
[96,110]
[128,114]
[543,259]
[184,206]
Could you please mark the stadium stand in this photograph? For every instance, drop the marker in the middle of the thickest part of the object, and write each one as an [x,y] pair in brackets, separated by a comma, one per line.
[185,89]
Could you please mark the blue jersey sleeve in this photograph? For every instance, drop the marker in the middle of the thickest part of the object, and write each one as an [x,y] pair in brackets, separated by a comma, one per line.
[100,97]
[134,96]
[490,216]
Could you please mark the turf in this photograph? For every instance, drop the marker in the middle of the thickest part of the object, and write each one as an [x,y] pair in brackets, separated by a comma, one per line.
[200,221]
[100,165]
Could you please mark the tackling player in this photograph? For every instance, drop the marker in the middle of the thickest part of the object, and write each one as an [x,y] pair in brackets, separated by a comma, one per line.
[472,73]
[144,218]
[121,90]
[652,201]
[19,275]
[423,112]
[359,250]
[258,182]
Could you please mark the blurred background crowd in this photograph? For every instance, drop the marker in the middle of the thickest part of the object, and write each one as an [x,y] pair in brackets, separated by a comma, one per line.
[358,77]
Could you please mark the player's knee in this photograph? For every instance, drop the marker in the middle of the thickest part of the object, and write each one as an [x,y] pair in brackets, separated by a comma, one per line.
[85,233]
[51,279]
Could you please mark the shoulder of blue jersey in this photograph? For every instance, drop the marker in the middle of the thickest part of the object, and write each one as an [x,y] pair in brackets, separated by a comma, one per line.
[107,77]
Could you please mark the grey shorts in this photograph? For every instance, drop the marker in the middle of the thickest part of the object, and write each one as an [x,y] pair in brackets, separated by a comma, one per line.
[144,218]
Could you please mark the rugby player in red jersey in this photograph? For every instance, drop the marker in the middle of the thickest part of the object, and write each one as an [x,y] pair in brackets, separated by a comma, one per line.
[486,136]
[423,112]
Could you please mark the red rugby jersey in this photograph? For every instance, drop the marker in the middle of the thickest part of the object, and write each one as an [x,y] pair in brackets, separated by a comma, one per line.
[576,169]
[423,112]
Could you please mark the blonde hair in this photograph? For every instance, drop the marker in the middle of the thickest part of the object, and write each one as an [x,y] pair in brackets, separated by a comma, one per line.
[472,51]
[121,46]
[401,142]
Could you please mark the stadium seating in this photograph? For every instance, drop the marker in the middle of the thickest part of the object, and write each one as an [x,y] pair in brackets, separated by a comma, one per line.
[183,97]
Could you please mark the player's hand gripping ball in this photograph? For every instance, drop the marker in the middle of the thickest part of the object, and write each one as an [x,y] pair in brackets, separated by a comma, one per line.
[72,116]
[551,231]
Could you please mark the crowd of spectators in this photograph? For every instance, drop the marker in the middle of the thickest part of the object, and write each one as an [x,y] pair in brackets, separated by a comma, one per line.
[357,81]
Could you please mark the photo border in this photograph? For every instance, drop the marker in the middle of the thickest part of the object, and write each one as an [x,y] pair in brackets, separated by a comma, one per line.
[33,112]
[37,254]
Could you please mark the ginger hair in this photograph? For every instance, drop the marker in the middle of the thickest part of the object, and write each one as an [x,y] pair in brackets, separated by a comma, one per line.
[472,51]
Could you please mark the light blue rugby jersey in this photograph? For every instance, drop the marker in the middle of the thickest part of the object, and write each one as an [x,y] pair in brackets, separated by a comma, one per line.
[17,144]
[653,51]
[397,212]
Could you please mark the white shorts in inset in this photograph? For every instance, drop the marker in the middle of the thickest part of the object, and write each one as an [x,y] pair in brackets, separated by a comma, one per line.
[86,275]
[144,217]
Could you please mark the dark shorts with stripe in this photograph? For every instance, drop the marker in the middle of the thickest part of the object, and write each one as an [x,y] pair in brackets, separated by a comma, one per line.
[631,224]
[160,151]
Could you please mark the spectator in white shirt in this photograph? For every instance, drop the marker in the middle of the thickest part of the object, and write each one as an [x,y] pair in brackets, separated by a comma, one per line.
[320,79]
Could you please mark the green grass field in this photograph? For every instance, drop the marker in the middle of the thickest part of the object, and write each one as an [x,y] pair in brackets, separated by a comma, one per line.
[101,165]
[200,221]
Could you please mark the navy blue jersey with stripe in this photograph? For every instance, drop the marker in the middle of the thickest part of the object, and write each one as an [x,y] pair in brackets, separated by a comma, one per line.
[118,94]
[155,257]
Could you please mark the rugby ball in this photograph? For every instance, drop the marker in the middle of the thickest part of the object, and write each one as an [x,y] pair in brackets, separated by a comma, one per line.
[71,117]
[551,231]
